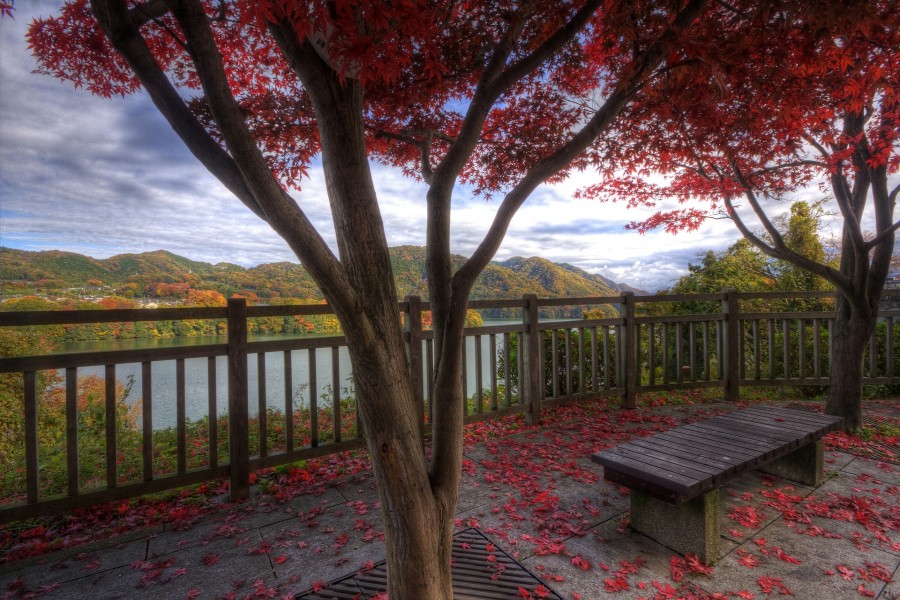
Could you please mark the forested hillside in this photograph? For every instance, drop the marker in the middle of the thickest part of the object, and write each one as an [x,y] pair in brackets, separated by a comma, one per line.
[161,276]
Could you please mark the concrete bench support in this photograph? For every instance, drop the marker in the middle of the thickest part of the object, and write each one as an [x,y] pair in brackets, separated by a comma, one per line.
[691,527]
[803,465]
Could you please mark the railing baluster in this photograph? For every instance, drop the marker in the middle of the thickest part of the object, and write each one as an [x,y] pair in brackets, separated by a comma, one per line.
[770,326]
[464,375]
[313,399]
[707,374]
[180,414]
[580,349]
[830,344]
[288,402]
[147,418]
[262,414]
[801,341]
[507,374]
[479,400]
[429,369]
[523,376]
[873,354]
[785,347]
[651,353]
[679,359]
[31,437]
[757,363]
[889,349]
[493,367]
[692,346]
[336,390]
[817,348]
[567,340]
[606,378]
[111,454]
[665,352]
[72,430]
[213,411]
[554,362]
[594,382]
[720,359]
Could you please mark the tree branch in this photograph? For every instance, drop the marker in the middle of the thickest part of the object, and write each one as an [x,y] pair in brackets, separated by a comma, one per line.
[778,249]
[147,11]
[280,209]
[830,274]
[875,241]
[465,277]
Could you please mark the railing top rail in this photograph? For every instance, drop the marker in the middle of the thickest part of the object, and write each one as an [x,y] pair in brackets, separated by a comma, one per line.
[783,295]
[287,310]
[578,324]
[296,343]
[588,300]
[752,316]
[680,298]
[122,315]
[486,304]
[680,319]
[109,357]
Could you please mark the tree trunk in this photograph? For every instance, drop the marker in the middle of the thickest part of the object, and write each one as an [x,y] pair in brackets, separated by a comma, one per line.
[850,336]
[417,526]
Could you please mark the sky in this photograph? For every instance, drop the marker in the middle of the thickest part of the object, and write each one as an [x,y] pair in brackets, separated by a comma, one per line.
[103,177]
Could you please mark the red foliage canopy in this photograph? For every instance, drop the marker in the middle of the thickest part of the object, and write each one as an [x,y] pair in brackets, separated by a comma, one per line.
[420,62]
[770,102]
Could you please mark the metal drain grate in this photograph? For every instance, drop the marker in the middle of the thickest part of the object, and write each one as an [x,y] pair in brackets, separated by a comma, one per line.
[475,576]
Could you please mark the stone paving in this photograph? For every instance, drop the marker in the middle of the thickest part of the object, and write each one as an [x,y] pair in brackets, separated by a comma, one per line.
[263,549]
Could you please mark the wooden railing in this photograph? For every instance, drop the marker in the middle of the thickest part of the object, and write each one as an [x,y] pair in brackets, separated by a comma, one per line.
[517,366]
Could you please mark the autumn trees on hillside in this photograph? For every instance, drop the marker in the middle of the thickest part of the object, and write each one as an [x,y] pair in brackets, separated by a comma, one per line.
[500,96]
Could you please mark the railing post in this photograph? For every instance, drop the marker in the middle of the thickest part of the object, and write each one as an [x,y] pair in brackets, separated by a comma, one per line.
[532,381]
[414,349]
[238,418]
[630,351]
[730,349]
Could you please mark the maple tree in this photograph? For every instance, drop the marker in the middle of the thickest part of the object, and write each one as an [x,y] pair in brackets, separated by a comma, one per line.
[803,98]
[502,96]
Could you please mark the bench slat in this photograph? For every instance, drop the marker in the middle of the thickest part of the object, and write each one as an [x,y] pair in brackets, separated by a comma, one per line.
[785,429]
[713,460]
[732,435]
[742,433]
[799,416]
[707,440]
[685,467]
[749,453]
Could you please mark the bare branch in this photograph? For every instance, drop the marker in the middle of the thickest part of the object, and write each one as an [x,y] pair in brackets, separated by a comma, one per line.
[815,144]
[789,165]
[784,253]
[878,239]
[778,249]
[147,11]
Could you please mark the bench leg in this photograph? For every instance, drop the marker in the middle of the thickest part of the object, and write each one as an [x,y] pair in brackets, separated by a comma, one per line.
[689,528]
[804,465]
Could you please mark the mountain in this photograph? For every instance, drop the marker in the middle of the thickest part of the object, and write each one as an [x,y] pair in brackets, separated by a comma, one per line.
[161,273]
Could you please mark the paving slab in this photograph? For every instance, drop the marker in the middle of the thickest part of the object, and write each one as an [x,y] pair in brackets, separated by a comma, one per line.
[806,566]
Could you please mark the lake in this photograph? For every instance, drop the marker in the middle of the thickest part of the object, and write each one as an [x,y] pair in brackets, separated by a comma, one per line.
[196,385]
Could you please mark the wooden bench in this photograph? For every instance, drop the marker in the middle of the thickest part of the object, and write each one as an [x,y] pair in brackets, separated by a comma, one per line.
[675,476]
